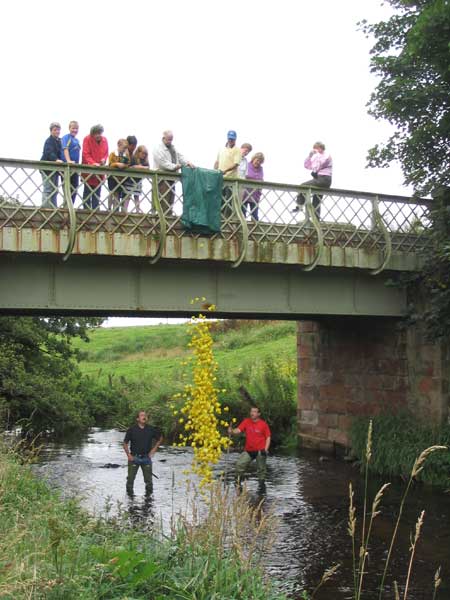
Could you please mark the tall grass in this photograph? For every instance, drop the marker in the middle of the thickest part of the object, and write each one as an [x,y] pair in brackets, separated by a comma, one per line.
[51,549]
[360,561]
[397,441]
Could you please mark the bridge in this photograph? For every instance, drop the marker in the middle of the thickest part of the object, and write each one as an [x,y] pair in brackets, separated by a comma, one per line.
[115,254]
[132,255]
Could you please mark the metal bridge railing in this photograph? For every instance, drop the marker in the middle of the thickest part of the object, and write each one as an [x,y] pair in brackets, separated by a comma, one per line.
[149,203]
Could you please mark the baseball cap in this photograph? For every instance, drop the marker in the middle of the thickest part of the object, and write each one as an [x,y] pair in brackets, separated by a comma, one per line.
[231,135]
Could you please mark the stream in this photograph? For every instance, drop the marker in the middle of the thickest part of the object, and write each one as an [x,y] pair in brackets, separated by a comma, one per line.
[309,495]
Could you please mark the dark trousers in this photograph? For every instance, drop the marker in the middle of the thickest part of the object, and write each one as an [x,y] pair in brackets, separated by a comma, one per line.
[91,195]
[322,181]
[74,181]
[166,189]
[253,207]
[244,460]
[133,467]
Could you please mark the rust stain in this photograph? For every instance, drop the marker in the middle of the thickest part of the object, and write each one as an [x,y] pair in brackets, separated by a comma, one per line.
[33,239]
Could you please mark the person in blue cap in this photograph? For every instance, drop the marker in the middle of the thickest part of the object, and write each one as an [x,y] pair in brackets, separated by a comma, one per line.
[227,161]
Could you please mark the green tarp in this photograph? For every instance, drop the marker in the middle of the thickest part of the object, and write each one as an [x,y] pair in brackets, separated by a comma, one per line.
[202,199]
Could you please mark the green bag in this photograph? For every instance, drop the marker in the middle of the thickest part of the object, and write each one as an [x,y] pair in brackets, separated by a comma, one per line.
[202,199]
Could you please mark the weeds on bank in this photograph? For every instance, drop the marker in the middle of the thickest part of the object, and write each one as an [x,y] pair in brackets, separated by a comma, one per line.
[360,543]
[51,549]
[397,441]
[360,549]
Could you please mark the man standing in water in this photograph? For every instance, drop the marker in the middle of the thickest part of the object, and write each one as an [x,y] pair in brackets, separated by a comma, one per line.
[144,441]
[257,444]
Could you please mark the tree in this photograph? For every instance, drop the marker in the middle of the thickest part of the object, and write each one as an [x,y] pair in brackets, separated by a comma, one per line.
[39,378]
[411,56]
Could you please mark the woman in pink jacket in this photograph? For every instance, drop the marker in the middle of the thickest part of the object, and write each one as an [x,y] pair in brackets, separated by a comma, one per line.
[320,164]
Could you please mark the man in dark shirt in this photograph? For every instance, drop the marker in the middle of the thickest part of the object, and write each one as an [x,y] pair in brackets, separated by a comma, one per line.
[52,152]
[144,441]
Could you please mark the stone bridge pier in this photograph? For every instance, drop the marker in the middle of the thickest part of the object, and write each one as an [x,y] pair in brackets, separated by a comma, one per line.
[363,367]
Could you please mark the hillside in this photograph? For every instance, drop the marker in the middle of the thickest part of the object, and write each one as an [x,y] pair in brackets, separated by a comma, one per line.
[156,352]
[143,367]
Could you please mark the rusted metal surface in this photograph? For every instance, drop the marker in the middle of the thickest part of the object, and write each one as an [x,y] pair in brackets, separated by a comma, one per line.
[355,230]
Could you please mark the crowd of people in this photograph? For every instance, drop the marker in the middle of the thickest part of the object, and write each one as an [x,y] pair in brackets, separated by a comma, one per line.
[231,160]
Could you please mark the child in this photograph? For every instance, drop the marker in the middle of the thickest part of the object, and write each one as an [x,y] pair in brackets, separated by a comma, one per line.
[118,160]
[243,165]
[71,149]
[252,196]
[133,185]
[50,179]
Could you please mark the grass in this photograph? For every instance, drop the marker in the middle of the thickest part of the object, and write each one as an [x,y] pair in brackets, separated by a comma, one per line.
[51,549]
[361,559]
[144,367]
[397,441]
[139,353]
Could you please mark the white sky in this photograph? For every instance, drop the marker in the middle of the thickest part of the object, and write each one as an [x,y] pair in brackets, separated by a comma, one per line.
[282,74]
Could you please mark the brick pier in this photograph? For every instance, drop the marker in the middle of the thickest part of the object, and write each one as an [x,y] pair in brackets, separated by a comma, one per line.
[363,367]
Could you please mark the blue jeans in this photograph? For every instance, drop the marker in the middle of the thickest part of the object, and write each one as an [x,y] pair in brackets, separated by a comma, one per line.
[91,195]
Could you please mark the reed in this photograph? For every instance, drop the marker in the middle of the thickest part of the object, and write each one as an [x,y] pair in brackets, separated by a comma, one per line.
[418,466]
[359,562]
[413,551]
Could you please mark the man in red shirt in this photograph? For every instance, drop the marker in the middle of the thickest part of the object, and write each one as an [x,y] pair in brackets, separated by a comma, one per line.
[257,444]
[95,153]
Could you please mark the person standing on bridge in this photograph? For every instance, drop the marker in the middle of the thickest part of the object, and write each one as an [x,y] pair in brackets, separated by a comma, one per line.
[228,161]
[50,179]
[71,150]
[257,444]
[95,153]
[140,444]
[321,165]
[252,196]
[167,158]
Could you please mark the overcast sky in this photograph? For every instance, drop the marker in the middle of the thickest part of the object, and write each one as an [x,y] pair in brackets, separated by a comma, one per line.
[282,74]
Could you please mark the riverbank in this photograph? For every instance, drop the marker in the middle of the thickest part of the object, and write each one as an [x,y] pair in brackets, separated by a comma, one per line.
[52,549]
[308,496]
[397,441]
[132,368]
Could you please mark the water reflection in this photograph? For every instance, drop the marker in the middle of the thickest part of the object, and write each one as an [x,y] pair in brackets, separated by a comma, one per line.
[310,497]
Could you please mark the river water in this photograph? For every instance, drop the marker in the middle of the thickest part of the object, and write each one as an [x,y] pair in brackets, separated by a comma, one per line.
[310,497]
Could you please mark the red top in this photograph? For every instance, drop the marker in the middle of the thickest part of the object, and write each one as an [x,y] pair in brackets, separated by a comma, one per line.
[256,434]
[94,153]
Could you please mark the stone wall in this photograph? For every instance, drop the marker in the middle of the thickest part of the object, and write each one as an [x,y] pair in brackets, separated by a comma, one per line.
[362,367]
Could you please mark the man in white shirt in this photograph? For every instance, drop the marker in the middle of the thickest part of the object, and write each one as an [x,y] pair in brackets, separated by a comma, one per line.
[167,158]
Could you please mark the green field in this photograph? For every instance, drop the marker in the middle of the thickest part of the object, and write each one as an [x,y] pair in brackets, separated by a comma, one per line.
[129,368]
[156,352]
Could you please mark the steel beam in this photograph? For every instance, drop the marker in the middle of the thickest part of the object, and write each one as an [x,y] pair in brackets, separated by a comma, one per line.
[43,284]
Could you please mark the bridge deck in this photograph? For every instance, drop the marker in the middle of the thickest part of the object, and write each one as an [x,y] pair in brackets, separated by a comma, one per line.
[78,257]
[356,229]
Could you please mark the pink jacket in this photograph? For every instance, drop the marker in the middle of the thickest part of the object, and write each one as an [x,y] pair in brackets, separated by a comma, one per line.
[322,164]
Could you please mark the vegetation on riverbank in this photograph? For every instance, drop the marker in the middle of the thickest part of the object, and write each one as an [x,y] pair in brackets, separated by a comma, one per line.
[361,540]
[397,441]
[52,379]
[41,388]
[51,549]
[145,367]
